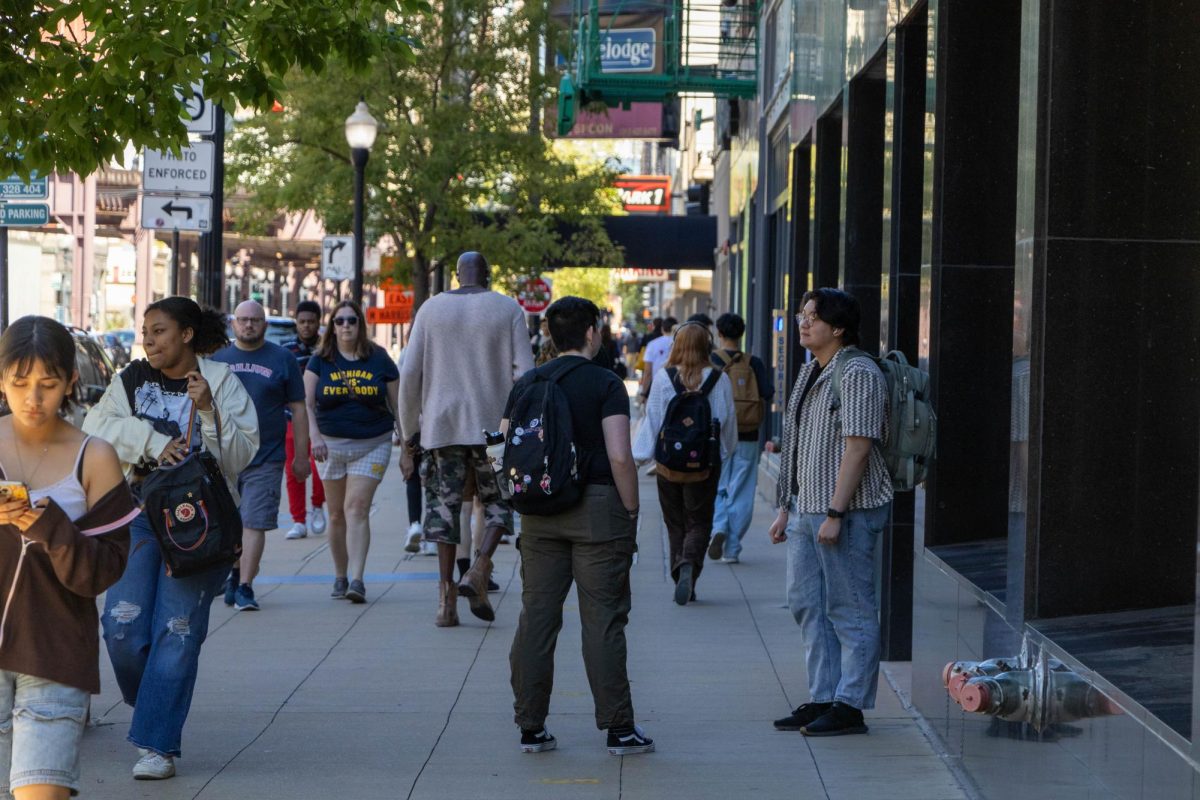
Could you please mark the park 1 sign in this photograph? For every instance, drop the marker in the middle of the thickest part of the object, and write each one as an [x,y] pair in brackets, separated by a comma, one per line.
[534,295]
[644,194]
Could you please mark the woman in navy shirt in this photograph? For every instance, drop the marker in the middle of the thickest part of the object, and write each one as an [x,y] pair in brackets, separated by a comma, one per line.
[350,387]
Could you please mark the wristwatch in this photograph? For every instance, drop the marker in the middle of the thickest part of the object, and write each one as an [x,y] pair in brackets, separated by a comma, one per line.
[833,513]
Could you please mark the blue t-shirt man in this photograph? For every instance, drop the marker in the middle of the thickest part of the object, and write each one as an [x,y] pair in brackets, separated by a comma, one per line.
[272,377]
[352,394]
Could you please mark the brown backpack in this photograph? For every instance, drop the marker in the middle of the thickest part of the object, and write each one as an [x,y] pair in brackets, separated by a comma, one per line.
[747,400]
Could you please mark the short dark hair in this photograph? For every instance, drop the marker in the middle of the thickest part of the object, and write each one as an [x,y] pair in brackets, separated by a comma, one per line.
[207,324]
[310,306]
[569,319]
[702,318]
[838,308]
[33,338]
[669,324]
[731,326]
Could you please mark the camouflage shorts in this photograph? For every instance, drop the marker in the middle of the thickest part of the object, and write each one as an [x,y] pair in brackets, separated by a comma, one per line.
[444,473]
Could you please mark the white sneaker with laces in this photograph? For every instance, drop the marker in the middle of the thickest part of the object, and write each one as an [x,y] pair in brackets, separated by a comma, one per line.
[316,521]
[413,544]
[297,531]
[153,766]
[429,548]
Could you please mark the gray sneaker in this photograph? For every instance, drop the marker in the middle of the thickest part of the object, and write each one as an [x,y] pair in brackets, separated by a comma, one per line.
[340,585]
[357,593]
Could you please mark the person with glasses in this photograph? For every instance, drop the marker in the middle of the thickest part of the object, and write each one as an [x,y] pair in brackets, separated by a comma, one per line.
[272,377]
[350,388]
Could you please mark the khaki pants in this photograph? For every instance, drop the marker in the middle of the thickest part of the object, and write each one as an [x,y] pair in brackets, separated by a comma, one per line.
[592,545]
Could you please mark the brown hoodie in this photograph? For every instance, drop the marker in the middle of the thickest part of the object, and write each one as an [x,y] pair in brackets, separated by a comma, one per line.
[49,581]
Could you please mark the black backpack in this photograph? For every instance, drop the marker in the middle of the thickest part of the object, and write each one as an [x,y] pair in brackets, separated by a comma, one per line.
[688,445]
[540,462]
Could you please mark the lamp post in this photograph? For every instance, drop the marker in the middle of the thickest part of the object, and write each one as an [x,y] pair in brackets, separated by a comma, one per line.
[360,135]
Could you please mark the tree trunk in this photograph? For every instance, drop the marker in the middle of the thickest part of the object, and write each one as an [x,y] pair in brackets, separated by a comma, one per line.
[420,280]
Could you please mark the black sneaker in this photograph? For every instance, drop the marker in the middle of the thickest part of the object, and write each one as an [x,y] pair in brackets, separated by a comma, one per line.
[357,593]
[629,741]
[683,586]
[231,584]
[340,585]
[809,712]
[840,720]
[716,547]
[537,741]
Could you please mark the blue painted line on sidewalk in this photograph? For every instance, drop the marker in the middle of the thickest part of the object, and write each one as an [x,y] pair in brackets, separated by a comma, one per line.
[370,577]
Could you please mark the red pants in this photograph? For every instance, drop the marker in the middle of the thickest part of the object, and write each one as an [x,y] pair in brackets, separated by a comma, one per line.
[295,488]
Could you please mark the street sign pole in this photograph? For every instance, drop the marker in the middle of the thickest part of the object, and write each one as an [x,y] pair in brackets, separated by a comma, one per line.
[173,283]
[3,277]
[212,251]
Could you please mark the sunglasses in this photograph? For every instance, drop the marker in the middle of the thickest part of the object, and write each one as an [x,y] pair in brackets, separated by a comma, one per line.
[339,321]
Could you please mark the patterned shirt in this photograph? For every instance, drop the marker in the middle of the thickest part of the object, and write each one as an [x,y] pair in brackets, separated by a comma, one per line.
[813,435]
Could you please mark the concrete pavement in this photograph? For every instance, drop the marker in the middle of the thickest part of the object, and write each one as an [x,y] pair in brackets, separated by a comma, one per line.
[317,698]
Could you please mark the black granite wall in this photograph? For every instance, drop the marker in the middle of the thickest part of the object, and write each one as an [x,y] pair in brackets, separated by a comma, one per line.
[827,211]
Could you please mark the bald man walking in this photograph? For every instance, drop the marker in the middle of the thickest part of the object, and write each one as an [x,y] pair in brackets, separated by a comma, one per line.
[272,378]
[467,349]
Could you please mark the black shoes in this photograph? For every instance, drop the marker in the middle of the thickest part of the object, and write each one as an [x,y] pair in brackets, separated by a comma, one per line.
[683,586]
[629,741]
[537,741]
[803,715]
[716,547]
[840,720]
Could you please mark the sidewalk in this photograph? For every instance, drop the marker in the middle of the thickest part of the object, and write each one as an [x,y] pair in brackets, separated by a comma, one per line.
[317,698]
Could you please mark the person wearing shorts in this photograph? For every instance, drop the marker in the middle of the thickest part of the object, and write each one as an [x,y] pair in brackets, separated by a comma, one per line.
[272,379]
[350,386]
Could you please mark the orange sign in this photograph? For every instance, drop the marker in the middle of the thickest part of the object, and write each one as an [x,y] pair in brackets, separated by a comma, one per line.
[389,316]
[644,193]
[398,298]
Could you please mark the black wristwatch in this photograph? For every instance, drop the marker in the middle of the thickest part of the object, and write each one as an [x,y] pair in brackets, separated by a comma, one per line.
[833,513]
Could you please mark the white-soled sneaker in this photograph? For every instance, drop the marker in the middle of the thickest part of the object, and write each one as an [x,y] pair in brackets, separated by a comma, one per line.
[316,521]
[429,548]
[153,766]
[297,531]
[629,741]
[413,545]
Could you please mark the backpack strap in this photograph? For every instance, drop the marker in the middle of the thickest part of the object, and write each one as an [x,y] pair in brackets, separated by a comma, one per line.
[561,372]
[673,374]
[713,376]
[710,382]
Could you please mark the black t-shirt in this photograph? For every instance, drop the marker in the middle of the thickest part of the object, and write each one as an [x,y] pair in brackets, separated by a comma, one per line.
[593,393]
[161,401]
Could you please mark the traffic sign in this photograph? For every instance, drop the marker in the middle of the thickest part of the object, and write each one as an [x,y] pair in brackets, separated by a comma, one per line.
[191,173]
[534,295]
[398,298]
[173,213]
[389,316]
[24,214]
[337,258]
[13,188]
[198,111]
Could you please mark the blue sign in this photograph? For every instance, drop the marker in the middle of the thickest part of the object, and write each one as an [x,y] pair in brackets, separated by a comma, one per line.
[628,50]
[24,214]
[13,188]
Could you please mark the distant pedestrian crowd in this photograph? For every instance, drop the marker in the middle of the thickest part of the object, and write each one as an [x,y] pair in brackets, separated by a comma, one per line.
[164,499]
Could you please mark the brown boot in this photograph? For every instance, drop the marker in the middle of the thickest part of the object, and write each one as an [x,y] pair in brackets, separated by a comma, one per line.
[474,584]
[447,615]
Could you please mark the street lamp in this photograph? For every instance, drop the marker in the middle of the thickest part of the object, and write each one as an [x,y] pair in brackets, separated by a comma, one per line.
[360,135]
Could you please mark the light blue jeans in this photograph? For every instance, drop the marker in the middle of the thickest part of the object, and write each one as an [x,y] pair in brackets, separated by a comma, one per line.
[831,593]
[154,626]
[735,496]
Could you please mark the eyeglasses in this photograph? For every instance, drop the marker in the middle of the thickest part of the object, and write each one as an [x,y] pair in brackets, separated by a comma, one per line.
[345,321]
[811,319]
[249,320]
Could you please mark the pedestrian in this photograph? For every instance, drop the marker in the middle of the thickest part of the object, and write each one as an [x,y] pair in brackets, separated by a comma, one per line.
[591,543]
[350,386]
[410,460]
[656,355]
[63,545]
[471,525]
[833,499]
[608,356]
[752,390]
[154,624]
[308,338]
[688,500]
[272,378]
[468,347]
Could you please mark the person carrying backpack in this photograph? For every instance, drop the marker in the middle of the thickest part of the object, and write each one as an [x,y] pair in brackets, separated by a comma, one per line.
[689,430]
[833,499]
[568,468]
[752,390]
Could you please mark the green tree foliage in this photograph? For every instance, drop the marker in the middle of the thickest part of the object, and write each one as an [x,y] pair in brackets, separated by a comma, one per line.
[81,79]
[460,162]
[590,283]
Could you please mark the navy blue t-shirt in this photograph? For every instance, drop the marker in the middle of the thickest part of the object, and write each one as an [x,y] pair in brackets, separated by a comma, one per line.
[352,395]
[272,379]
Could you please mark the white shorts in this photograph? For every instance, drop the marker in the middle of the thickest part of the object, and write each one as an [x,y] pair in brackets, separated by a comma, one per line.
[366,457]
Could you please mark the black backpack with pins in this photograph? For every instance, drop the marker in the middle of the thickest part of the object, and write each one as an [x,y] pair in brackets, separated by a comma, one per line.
[541,466]
[688,445]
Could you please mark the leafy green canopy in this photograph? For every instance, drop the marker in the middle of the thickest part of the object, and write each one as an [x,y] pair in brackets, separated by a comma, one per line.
[81,79]
[460,162]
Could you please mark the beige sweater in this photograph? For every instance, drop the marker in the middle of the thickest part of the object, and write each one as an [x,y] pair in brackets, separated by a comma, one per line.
[465,352]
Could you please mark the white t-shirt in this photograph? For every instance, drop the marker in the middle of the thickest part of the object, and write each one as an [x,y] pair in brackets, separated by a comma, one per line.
[657,352]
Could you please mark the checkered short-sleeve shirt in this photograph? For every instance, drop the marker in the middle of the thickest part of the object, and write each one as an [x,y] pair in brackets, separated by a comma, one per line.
[814,434]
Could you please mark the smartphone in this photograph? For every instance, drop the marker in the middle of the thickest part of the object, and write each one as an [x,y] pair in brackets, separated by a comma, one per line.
[13,490]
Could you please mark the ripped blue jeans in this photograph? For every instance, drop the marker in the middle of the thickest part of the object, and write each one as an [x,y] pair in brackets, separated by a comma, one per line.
[154,626]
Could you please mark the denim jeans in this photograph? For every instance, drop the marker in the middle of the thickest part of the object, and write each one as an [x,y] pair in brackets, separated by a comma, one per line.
[831,593]
[154,626]
[735,496]
[41,726]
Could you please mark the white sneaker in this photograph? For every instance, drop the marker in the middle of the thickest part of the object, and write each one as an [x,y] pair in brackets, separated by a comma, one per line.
[153,766]
[413,545]
[316,521]
[297,531]
[429,548]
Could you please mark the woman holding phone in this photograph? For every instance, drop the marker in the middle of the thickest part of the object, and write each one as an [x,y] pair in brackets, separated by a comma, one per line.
[65,511]
[144,414]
